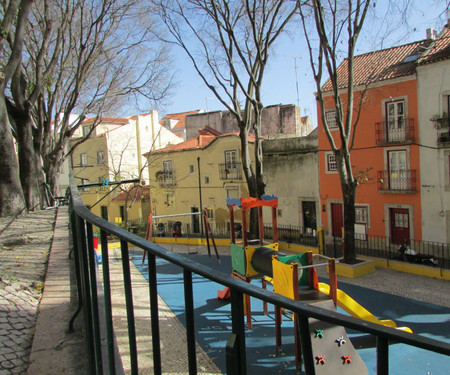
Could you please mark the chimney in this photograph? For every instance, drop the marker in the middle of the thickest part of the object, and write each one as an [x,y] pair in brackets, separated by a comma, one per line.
[431,34]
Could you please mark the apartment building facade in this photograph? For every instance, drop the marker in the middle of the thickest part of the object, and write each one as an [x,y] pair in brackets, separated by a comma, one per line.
[388,152]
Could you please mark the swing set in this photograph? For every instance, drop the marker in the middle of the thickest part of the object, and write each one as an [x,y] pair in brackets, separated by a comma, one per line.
[208,230]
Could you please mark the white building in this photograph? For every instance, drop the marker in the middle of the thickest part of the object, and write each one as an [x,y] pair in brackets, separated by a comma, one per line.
[433,77]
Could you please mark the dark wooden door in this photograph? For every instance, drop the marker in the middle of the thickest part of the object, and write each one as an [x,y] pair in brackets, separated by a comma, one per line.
[309,214]
[337,219]
[195,221]
[399,220]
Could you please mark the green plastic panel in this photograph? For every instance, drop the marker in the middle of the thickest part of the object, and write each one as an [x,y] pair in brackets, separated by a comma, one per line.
[238,258]
[302,260]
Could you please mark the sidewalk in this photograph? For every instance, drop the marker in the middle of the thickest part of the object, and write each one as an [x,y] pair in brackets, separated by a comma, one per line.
[33,317]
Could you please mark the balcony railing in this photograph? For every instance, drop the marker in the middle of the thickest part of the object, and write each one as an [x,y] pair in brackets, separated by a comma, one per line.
[397,181]
[230,171]
[398,131]
[166,177]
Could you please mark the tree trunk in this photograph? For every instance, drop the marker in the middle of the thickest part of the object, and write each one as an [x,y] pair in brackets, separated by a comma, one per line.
[52,166]
[12,201]
[348,187]
[27,163]
[349,193]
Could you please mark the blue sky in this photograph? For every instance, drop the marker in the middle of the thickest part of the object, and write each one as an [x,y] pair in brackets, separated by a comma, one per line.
[289,71]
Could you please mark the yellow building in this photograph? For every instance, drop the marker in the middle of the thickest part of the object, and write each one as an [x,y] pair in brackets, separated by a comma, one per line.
[113,152]
[199,173]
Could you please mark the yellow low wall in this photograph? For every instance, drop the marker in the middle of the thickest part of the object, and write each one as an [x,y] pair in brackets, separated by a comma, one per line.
[415,269]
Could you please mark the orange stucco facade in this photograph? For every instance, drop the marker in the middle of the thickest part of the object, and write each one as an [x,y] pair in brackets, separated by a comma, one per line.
[385,159]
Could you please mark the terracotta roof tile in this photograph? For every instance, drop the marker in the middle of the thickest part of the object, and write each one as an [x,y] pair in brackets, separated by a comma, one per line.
[115,120]
[380,65]
[140,193]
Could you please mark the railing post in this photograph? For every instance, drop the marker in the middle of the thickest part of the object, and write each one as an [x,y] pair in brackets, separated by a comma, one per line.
[382,356]
[305,339]
[87,303]
[129,306]
[108,306]
[190,325]
[94,296]
[153,289]
[235,351]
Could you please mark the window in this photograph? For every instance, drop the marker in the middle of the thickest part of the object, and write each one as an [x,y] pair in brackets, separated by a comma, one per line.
[232,192]
[100,157]
[206,180]
[191,168]
[85,181]
[167,165]
[231,159]
[83,159]
[86,130]
[330,160]
[170,199]
[210,213]
[330,117]
[361,215]
[398,174]
[395,116]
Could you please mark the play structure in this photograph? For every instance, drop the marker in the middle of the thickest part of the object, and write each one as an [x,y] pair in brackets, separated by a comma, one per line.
[176,230]
[295,276]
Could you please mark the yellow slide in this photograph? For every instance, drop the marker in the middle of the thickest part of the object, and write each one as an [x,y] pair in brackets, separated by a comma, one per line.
[349,305]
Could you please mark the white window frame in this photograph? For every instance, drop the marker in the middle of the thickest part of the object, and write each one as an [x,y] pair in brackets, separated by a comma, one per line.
[85,181]
[167,166]
[83,159]
[330,118]
[100,157]
[365,209]
[170,199]
[330,155]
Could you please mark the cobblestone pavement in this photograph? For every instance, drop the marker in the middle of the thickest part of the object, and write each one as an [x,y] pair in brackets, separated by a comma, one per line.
[24,249]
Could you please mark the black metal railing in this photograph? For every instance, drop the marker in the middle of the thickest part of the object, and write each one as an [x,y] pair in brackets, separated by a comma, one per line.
[99,325]
[166,177]
[230,171]
[399,131]
[433,254]
[397,180]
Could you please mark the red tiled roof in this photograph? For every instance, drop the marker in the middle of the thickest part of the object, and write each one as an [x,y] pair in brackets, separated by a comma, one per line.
[380,65]
[139,193]
[438,50]
[205,137]
[393,62]
[115,120]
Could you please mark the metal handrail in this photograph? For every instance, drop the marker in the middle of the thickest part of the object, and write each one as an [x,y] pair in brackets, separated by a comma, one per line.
[82,221]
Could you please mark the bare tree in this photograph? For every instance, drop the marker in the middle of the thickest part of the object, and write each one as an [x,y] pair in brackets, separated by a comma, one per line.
[85,58]
[338,25]
[13,26]
[229,43]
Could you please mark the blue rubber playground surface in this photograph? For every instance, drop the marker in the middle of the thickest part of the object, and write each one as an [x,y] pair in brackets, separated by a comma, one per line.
[213,323]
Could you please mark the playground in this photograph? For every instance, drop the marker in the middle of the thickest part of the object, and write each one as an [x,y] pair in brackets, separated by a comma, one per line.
[272,336]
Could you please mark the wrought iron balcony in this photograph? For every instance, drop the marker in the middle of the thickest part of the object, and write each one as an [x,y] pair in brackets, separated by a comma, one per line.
[403,181]
[230,171]
[166,177]
[398,131]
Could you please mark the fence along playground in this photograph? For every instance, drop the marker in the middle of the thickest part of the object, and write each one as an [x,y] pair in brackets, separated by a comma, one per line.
[295,276]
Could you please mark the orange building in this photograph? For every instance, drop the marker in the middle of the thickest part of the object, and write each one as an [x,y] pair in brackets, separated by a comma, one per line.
[385,154]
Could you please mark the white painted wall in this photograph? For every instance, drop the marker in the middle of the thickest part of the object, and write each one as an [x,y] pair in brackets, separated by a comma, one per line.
[433,83]
[123,143]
